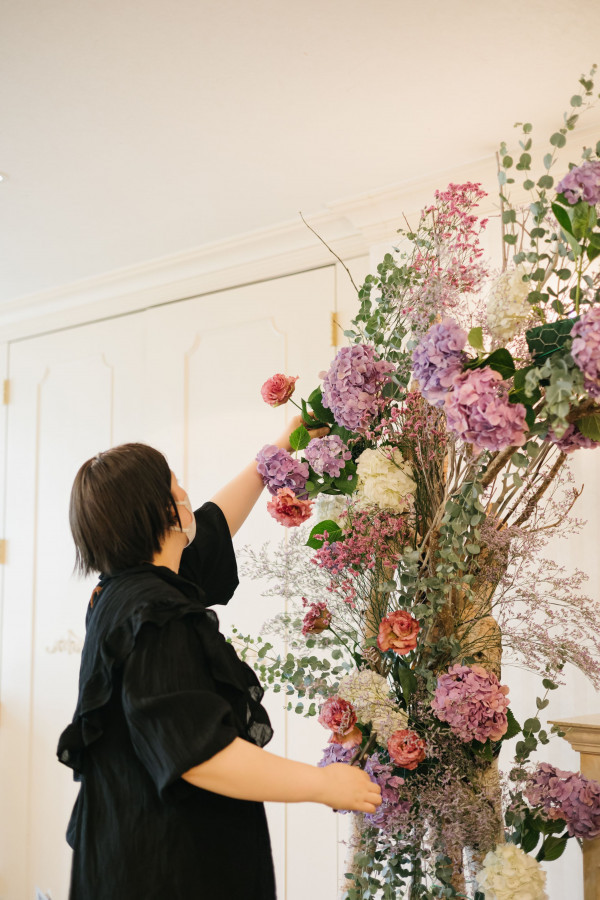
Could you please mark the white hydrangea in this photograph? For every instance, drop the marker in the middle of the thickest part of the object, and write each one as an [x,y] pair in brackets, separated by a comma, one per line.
[507,307]
[369,694]
[384,482]
[508,873]
[330,506]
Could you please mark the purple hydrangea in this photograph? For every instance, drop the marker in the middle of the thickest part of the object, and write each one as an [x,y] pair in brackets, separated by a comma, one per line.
[393,811]
[586,349]
[473,703]
[568,796]
[438,359]
[278,469]
[571,440]
[582,183]
[327,455]
[352,386]
[478,411]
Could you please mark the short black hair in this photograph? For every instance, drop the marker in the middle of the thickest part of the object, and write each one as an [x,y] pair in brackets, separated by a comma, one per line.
[121,508]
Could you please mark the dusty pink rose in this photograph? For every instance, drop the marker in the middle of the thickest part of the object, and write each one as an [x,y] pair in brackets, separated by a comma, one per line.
[317,619]
[347,741]
[278,389]
[398,632]
[288,509]
[406,748]
[338,715]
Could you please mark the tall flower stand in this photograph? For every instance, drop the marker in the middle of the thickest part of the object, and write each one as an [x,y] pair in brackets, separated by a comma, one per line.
[583,734]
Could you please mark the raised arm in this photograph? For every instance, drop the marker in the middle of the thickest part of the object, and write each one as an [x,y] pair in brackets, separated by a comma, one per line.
[246,772]
[237,498]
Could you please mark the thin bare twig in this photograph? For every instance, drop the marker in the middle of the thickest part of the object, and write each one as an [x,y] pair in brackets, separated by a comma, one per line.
[339,259]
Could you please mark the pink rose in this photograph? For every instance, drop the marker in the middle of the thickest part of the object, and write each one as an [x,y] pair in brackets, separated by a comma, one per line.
[317,619]
[288,509]
[398,632]
[347,741]
[278,389]
[338,715]
[406,748]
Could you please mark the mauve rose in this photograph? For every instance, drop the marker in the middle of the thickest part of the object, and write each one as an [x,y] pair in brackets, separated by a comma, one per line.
[347,741]
[288,509]
[278,389]
[406,748]
[317,619]
[398,632]
[338,715]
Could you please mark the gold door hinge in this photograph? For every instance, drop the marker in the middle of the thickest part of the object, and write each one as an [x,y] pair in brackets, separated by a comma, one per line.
[3,549]
[335,329]
[6,392]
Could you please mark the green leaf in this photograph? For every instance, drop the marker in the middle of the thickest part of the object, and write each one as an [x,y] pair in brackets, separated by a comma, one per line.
[558,139]
[408,682]
[513,726]
[509,215]
[589,426]
[547,160]
[316,402]
[300,438]
[527,128]
[500,360]
[510,238]
[562,217]
[552,848]
[334,533]
[576,100]
[476,338]
[549,685]
[528,184]
[546,181]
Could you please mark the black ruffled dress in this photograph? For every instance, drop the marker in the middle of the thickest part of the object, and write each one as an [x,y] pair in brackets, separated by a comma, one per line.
[160,691]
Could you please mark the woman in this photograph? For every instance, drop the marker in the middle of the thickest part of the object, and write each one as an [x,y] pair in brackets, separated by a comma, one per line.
[168,731]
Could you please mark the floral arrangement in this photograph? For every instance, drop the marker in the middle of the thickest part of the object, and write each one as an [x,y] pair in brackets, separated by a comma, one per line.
[452,413]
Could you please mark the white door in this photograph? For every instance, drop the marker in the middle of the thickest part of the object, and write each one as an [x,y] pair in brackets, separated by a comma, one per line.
[208,358]
[185,377]
[72,394]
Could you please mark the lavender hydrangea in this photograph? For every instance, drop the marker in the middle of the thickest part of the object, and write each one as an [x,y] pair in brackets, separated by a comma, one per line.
[327,455]
[582,183]
[478,411]
[438,359]
[571,440]
[278,469]
[393,810]
[352,385]
[568,796]
[473,703]
[586,349]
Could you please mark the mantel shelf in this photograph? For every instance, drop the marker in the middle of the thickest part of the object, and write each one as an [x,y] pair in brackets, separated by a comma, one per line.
[582,733]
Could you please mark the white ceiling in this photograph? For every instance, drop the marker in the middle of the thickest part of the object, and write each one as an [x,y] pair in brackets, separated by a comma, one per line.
[133,129]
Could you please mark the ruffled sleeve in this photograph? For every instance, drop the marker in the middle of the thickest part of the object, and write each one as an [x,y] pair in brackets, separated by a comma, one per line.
[175,717]
[209,561]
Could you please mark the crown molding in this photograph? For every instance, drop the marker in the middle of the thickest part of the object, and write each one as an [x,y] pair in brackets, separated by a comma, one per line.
[352,227]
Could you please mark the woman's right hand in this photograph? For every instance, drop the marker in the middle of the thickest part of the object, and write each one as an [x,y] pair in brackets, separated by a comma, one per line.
[348,787]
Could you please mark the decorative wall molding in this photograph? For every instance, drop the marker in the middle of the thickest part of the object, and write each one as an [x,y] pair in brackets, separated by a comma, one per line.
[351,226]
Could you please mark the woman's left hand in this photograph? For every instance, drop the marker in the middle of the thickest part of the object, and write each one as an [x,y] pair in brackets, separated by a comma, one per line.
[283,440]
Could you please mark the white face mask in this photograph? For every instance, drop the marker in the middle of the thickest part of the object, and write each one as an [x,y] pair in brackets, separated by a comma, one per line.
[190,531]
